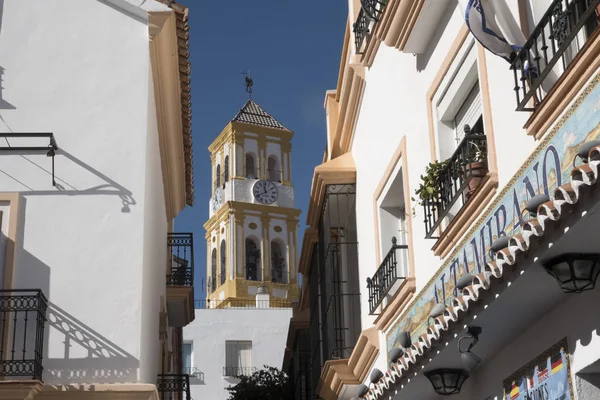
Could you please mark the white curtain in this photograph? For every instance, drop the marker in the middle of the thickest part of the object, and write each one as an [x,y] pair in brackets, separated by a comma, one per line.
[238,355]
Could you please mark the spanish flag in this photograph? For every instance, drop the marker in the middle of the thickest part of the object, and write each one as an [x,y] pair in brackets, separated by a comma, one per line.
[556,363]
[514,391]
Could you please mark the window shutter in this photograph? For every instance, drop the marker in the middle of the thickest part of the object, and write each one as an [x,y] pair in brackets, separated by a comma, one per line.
[469,112]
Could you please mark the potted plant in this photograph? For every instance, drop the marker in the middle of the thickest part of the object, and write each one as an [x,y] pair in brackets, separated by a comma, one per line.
[429,188]
[475,166]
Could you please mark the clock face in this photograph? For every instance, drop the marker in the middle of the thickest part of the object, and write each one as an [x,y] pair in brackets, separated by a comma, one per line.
[265,192]
[218,197]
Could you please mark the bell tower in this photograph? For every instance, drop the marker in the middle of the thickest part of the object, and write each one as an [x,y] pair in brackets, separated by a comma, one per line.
[251,233]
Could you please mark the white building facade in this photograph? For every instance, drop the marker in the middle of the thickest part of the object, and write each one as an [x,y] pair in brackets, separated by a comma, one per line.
[456,227]
[223,343]
[96,164]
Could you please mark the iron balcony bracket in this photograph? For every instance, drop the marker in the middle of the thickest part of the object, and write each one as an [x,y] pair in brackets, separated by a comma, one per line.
[50,149]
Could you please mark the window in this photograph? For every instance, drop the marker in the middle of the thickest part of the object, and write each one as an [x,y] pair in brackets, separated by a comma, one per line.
[187,357]
[218,181]
[460,141]
[253,267]
[273,169]
[250,166]
[223,263]
[213,275]
[238,358]
[393,270]
[278,271]
[226,171]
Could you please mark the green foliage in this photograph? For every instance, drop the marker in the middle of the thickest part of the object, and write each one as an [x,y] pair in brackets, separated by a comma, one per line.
[429,188]
[266,384]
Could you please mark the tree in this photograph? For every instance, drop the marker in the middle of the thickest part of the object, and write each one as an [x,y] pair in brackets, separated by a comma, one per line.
[266,384]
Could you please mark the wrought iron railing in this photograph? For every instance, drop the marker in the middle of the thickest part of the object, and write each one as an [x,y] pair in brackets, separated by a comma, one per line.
[548,44]
[468,162]
[173,386]
[238,371]
[340,324]
[22,320]
[369,14]
[181,251]
[243,303]
[386,276]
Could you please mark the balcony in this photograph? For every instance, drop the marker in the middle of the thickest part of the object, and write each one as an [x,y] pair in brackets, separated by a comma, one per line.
[173,387]
[180,279]
[273,303]
[236,371]
[22,320]
[453,180]
[389,276]
[368,16]
[552,46]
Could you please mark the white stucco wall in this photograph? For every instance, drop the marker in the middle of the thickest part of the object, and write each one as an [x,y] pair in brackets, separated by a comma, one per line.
[394,106]
[83,241]
[155,249]
[267,329]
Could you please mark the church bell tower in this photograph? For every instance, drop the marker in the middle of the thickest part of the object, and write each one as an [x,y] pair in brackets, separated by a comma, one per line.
[251,234]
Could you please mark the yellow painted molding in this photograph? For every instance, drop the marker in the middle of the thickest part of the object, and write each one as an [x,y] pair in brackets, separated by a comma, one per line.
[350,371]
[164,58]
[340,170]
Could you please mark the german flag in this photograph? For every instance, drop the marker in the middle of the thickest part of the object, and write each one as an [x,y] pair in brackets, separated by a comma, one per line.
[514,391]
[556,363]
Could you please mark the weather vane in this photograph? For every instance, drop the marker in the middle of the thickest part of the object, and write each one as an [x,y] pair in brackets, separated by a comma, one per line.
[249,83]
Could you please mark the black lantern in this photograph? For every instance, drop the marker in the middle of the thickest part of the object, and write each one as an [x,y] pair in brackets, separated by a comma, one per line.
[575,272]
[447,381]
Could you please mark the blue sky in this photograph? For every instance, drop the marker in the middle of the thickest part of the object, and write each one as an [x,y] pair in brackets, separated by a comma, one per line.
[292,50]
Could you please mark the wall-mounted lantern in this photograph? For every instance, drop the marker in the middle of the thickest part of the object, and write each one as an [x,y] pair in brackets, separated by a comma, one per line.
[575,272]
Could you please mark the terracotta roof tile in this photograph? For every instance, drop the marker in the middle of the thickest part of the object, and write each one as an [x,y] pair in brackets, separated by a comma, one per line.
[181,15]
[565,197]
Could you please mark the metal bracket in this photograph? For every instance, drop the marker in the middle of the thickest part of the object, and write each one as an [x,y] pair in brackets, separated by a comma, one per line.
[50,149]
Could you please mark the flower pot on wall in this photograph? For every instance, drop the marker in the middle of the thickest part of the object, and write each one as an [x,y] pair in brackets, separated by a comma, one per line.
[474,174]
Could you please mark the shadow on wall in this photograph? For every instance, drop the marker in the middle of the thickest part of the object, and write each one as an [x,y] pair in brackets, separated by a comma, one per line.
[423,59]
[108,188]
[105,362]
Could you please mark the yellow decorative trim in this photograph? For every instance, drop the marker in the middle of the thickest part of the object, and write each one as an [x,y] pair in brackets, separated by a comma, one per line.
[167,97]
[341,170]
[350,371]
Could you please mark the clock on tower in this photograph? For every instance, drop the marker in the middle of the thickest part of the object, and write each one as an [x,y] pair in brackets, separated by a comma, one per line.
[251,232]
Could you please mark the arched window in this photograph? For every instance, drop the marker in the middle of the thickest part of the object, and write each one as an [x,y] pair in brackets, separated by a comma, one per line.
[250,167]
[213,269]
[253,270]
[218,181]
[278,270]
[226,171]
[223,263]
[273,169]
